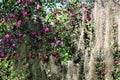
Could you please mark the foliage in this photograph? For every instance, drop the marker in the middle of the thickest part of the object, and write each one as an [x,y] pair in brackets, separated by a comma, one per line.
[32,31]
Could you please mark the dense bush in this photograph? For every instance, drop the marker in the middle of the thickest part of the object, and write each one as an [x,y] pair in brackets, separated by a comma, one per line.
[37,39]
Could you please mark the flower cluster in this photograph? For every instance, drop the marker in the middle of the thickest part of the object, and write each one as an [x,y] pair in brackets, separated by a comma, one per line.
[29,33]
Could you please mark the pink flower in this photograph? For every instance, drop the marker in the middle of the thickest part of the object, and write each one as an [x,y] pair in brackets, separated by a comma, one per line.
[24,13]
[56,58]
[84,8]
[8,20]
[84,18]
[1,19]
[33,33]
[38,6]
[7,36]
[18,1]
[24,6]
[14,45]
[30,55]
[52,43]
[0,40]
[40,57]
[12,15]
[13,53]
[71,14]
[30,1]
[7,47]
[91,16]
[54,53]
[18,55]
[2,54]
[20,35]
[19,22]
[58,42]
[115,4]
[47,29]
[55,12]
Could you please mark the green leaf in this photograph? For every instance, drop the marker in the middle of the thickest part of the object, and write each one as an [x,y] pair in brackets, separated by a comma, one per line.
[63,62]
[66,54]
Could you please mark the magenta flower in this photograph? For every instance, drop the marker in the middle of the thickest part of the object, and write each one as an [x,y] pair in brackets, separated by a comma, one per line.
[55,12]
[24,13]
[38,6]
[84,18]
[18,1]
[24,6]
[56,58]
[1,19]
[23,0]
[0,40]
[13,53]
[52,43]
[19,22]
[84,8]
[33,33]
[7,47]
[54,53]
[30,1]
[18,55]
[14,45]
[7,36]
[8,20]
[2,54]
[30,55]
[58,42]
[47,29]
